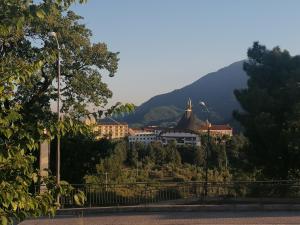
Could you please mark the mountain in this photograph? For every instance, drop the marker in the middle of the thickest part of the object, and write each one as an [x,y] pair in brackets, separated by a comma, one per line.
[215,89]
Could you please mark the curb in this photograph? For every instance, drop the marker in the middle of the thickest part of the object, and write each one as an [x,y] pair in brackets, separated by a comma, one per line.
[179,208]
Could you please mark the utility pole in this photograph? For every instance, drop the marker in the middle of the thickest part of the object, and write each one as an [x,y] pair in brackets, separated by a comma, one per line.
[206,159]
[207,149]
[53,34]
[106,180]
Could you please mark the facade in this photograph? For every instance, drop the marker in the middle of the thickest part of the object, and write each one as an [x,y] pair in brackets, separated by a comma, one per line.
[108,129]
[216,130]
[155,129]
[180,138]
[111,130]
[144,137]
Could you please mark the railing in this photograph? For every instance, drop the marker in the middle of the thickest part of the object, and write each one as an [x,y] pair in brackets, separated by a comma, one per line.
[186,192]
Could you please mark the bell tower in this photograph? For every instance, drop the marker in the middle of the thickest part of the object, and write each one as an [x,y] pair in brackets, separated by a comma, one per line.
[188,110]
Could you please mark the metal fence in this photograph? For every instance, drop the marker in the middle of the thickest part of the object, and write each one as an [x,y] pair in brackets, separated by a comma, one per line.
[186,192]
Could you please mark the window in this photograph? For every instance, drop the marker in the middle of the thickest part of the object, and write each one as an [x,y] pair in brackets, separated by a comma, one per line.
[180,140]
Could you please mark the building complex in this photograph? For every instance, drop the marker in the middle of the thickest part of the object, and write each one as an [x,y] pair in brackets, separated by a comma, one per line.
[186,132]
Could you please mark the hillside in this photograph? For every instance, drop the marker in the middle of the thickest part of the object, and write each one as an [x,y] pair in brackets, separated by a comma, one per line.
[215,89]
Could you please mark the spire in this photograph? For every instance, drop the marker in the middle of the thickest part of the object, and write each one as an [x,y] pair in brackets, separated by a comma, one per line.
[208,124]
[189,105]
[188,120]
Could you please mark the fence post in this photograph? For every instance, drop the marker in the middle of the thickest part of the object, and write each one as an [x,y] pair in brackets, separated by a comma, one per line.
[90,199]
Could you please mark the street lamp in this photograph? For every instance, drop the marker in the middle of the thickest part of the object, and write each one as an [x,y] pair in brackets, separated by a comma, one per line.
[207,149]
[54,35]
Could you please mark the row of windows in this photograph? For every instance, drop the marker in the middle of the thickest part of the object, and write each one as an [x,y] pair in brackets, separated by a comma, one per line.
[133,139]
[111,129]
[113,134]
[178,140]
[144,135]
[120,127]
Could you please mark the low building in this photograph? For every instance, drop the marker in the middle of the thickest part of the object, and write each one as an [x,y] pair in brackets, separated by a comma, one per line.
[155,129]
[216,130]
[180,138]
[142,136]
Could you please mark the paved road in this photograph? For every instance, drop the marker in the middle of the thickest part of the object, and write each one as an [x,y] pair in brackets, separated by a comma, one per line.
[175,218]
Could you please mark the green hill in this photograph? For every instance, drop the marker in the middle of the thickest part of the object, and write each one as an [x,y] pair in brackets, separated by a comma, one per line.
[216,89]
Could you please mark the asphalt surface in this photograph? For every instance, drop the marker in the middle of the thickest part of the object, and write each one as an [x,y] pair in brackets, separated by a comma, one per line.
[175,218]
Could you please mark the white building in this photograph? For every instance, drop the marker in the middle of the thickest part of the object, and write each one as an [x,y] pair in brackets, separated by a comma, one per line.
[181,138]
[142,136]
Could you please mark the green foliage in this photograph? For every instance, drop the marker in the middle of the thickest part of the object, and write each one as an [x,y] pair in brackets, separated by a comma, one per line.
[199,156]
[162,113]
[110,165]
[133,156]
[120,110]
[271,111]
[236,148]
[27,73]
[79,156]
[113,163]
[24,36]
[218,155]
[153,153]
[18,142]
[154,162]
[191,154]
[172,155]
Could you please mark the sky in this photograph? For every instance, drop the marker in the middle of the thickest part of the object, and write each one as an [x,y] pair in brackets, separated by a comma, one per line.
[168,44]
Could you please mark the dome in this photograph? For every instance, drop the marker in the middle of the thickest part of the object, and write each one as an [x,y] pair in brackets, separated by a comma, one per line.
[189,121]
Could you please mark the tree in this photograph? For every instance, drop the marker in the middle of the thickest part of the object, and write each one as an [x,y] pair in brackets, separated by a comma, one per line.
[172,154]
[270,113]
[27,72]
[199,158]
[110,165]
[82,62]
[236,148]
[133,155]
[79,156]
[159,153]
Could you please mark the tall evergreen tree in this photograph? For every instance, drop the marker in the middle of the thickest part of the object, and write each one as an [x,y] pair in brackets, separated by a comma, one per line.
[271,111]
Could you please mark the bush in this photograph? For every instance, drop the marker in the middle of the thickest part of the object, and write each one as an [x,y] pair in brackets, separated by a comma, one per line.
[156,174]
[179,178]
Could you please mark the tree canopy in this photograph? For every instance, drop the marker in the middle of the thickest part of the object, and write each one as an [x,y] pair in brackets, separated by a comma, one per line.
[271,111]
[28,68]
[25,34]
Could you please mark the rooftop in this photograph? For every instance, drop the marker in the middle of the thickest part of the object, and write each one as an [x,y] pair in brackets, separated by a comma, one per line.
[216,127]
[189,121]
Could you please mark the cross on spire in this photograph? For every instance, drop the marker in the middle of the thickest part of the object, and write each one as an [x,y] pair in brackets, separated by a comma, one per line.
[189,105]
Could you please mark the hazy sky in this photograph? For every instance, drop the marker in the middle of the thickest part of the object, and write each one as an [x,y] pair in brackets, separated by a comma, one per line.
[167,44]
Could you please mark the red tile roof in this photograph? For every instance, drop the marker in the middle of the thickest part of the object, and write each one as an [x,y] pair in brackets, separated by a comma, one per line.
[113,123]
[216,127]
